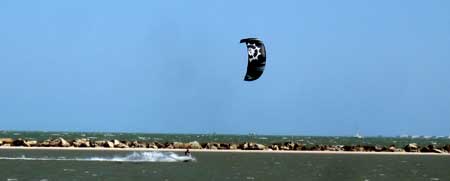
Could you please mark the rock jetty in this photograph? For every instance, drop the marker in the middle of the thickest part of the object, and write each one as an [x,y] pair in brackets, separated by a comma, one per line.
[286,146]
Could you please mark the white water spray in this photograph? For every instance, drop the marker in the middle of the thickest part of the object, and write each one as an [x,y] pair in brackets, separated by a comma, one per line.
[133,157]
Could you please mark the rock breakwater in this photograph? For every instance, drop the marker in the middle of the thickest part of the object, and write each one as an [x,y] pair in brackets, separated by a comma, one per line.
[285,146]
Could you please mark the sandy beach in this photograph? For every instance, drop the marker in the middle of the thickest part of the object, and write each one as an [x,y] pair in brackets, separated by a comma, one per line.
[223,151]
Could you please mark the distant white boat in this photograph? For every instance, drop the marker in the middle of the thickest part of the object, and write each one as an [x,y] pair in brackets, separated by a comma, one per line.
[404,136]
[357,135]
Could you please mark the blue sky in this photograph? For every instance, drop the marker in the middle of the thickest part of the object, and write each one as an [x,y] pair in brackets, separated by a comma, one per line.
[333,67]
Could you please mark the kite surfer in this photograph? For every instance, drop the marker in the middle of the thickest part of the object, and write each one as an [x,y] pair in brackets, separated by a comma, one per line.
[187,152]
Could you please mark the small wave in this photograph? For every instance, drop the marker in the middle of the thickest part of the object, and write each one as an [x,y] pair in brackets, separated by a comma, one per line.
[133,157]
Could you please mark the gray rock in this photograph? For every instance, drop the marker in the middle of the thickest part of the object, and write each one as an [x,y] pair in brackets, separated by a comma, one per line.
[359,148]
[274,147]
[317,148]
[299,146]
[412,147]
[379,148]
[212,146]
[152,145]
[81,143]
[446,148]
[368,148]
[6,140]
[136,144]
[159,145]
[53,143]
[435,150]
[392,148]
[283,147]
[99,143]
[224,146]
[259,147]
[349,148]
[45,143]
[20,142]
[133,144]
[340,147]
[332,148]
[32,142]
[252,146]
[63,143]
[194,145]
[109,144]
[233,146]
[122,145]
[290,145]
[244,146]
[126,142]
[116,143]
[179,145]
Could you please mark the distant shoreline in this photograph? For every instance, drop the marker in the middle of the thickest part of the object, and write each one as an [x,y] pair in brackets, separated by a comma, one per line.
[222,151]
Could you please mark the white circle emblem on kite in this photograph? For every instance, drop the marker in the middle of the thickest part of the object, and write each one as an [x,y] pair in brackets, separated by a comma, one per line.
[253,52]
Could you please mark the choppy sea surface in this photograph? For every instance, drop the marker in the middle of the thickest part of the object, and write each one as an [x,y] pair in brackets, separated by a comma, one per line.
[45,165]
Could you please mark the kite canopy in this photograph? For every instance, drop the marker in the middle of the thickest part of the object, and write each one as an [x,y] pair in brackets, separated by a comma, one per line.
[256,58]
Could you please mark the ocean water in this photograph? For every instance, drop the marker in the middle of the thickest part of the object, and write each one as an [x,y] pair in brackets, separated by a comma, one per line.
[45,165]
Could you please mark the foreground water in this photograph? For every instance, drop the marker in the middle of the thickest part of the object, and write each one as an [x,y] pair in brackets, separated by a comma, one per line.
[21,164]
[44,165]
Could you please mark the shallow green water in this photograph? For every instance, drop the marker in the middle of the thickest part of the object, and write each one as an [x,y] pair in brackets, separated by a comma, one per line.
[220,166]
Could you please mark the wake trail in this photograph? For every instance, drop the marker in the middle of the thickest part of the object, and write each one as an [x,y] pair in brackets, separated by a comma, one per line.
[133,157]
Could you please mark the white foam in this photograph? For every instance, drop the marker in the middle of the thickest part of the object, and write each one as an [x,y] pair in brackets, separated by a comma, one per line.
[133,157]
